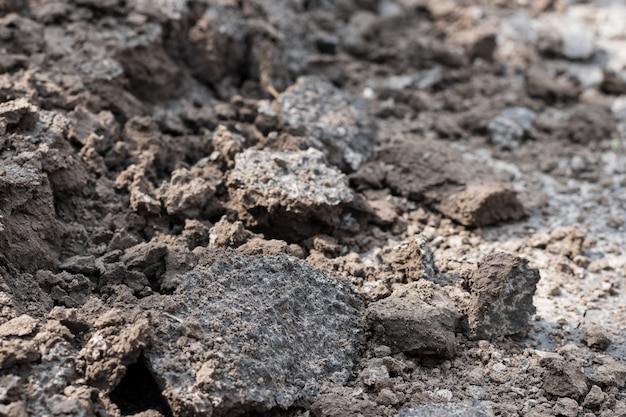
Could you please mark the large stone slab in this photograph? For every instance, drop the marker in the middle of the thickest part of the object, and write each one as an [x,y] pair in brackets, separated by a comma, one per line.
[253,333]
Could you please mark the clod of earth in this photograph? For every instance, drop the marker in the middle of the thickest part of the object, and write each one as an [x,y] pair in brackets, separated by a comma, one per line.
[432,172]
[418,319]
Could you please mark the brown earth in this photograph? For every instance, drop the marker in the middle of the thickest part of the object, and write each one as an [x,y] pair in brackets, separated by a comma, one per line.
[312,208]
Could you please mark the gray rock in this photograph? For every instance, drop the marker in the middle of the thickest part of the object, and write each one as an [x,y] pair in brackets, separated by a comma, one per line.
[346,131]
[509,127]
[502,290]
[418,319]
[253,333]
[578,39]
[291,194]
[464,409]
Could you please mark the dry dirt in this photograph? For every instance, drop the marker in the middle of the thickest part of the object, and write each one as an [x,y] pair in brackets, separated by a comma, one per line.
[312,208]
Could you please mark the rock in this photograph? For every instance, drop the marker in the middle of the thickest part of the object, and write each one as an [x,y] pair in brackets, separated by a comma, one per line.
[273,247]
[70,290]
[462,409]
[417,319]
[147,258]
[509,127]
[588,124]
[251,334]
[566,407]
[501,302]
[291,195]
[227,144]
[188,195]
[374,373]
[387,397]
[431,171]
[346,131]
[17,113]
[578,39]
[344,401]
[481,205]
[413,168]
[483,46]
[410,260]
[540,84]
[563,379]
[610,374]
[595,337]
[19,326]
[614,82]
[595,398]
[18,351]
[216,49]
[227,234]
[81,264]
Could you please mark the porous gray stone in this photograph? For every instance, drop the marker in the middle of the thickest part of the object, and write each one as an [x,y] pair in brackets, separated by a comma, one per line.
[338,123]
[502,290]
[253,333]
[418,319]
[291,194]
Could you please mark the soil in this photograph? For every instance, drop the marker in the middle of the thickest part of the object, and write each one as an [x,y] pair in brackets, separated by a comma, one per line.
[312,208]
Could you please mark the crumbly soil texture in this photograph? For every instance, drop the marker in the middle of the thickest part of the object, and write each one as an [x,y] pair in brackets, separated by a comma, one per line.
[312,208]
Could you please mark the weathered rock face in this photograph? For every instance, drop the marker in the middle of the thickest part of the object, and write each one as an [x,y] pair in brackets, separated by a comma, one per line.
[502,296]
[418,319]
[291,195]
[346,131]
[243,333]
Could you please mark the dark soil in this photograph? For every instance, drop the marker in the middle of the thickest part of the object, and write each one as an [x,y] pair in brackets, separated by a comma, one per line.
[312,208]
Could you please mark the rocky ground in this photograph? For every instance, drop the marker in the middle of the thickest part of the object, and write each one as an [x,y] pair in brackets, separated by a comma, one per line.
[312,208]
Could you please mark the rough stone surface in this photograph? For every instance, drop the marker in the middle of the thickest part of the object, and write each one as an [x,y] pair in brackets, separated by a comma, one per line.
[341,122]
[502,289]
[418,319]
[289,194]
[463,409]
[257,333]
